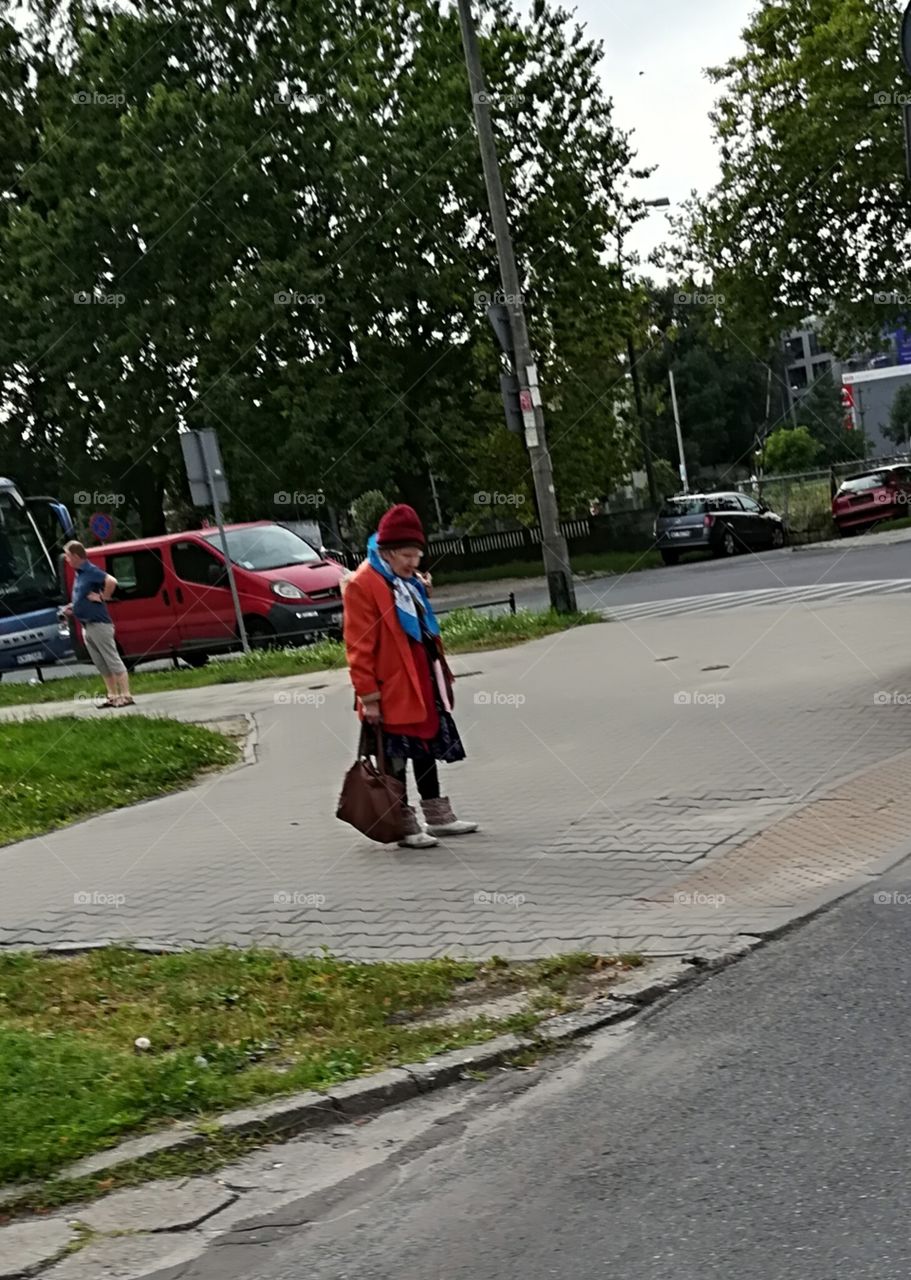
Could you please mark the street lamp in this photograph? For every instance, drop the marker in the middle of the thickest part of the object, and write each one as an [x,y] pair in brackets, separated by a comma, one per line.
[661,202]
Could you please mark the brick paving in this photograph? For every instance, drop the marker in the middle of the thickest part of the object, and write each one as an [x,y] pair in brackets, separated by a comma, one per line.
[608,773]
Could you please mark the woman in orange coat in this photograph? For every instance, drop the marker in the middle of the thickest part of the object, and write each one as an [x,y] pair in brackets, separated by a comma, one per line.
[399,673]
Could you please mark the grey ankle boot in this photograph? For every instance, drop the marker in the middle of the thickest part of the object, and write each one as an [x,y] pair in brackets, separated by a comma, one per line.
[441,821]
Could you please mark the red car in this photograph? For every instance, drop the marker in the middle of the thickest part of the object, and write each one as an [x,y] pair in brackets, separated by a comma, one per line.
[173,598]
[865,500]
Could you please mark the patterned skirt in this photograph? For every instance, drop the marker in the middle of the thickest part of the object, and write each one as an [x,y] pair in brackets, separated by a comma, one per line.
[446,746]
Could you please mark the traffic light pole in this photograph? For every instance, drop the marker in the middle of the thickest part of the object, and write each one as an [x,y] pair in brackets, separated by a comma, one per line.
[553,544]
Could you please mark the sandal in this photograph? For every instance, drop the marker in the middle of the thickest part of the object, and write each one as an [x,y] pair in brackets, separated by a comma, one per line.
[108,702]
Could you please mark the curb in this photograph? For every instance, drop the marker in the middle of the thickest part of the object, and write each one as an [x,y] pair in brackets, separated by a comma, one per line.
[300,1112]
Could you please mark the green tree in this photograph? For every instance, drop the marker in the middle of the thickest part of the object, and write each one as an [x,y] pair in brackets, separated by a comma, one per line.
[365,513]
[789,450]
[899,426]
[809,215]
[272,220]
[821,411]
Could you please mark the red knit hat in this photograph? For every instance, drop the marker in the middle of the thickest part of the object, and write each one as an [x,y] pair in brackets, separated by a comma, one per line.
[401,527]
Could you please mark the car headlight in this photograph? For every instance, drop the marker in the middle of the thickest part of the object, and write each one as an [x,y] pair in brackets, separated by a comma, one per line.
[288,591]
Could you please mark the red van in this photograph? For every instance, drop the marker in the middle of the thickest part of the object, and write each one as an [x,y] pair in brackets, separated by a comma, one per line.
[173,597]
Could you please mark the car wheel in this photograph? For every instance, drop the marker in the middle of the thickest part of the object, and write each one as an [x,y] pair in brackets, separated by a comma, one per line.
[846,532]
[726,544]
[195,659]
[670,557]
[260,633]
[778,537]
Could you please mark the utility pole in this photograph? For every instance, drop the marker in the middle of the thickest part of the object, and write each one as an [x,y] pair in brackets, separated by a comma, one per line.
[683,476]
[553,544]
[661,203]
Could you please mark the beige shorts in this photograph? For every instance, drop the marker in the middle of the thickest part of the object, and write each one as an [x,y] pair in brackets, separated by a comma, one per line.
[102,647]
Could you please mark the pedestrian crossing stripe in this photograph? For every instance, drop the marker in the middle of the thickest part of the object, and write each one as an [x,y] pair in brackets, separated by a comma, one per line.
[816,593]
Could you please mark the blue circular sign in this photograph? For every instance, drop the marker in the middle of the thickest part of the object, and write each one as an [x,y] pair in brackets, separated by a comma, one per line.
[101,525]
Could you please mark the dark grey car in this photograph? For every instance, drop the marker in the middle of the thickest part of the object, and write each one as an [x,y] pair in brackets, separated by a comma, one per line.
[720,523]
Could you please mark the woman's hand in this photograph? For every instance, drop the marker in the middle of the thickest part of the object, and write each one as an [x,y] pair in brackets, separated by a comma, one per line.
[427,580]
[372,712]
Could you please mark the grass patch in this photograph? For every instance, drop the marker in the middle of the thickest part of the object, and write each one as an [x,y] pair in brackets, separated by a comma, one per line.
[265,1023]
[467,631]
[461,634]
[53,772]
[596,562]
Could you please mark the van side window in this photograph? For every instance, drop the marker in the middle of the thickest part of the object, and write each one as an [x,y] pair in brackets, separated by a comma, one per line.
[194,563]
[139,574]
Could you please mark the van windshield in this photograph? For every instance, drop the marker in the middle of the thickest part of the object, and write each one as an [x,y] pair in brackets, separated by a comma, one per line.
[265,546]
[683,507]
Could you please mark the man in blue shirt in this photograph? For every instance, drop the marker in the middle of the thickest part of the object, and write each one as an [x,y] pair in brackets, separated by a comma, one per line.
[92,589]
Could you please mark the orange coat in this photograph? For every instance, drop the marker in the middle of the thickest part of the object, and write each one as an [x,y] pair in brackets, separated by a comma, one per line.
[379,652]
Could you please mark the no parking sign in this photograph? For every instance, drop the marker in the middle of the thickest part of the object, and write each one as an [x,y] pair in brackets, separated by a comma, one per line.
[101,525]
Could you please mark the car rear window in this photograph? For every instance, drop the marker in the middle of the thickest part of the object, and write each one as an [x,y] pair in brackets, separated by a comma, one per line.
[684,507]
[860,483]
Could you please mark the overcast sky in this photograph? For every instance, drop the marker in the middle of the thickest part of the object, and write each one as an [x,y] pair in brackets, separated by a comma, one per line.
[670,42]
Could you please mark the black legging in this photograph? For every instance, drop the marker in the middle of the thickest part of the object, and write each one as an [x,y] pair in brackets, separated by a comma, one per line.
[425,775]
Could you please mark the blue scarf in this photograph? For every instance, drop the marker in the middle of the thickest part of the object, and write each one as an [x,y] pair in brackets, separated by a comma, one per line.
[407,593]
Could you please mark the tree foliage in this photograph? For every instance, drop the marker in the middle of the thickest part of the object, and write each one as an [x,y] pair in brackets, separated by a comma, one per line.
[271,220]
[789,450]
[810,213]
[898,429]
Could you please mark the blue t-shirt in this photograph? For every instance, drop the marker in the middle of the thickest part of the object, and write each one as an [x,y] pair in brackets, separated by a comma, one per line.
[89,578]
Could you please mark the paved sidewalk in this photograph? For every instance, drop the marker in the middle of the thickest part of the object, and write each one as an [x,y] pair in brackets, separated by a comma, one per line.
[608,765]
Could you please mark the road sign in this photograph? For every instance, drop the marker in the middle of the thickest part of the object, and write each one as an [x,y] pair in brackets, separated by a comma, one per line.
[205,470]
[509,390]
[209,488]
[101,525]
[498,315]
[906,39]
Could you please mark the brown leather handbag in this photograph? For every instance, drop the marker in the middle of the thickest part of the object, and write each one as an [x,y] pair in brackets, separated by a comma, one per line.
[372,799]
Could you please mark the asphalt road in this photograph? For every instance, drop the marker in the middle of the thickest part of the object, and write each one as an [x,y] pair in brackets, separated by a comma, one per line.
[859,560]
[855,560]
[754,1127]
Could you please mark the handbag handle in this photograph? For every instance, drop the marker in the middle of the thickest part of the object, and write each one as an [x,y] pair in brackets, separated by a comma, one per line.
[380,748]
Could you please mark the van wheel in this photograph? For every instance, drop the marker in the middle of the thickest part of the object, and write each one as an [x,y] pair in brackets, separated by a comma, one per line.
[260,633]
[195,659]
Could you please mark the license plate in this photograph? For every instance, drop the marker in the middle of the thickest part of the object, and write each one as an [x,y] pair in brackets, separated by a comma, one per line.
[680,533]
[35,656]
